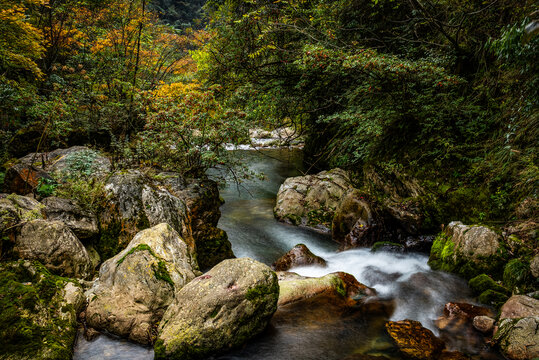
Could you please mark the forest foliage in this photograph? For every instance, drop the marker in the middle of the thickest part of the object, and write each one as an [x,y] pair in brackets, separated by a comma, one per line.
[445,91]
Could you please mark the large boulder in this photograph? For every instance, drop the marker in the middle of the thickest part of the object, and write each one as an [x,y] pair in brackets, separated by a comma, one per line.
[135,203]
[201,196]
[312,200]
[299,255]
[220,310]
[414,341]
[55,246]
[73,161]
[80,221]
[518,332]
[294,288]
[466,250]
[38,312]
[136,286]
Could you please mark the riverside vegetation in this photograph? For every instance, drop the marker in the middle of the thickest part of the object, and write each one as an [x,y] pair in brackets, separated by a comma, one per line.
[420,120]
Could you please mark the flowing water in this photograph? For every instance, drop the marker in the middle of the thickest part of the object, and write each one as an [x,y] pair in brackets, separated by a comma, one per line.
[311,329]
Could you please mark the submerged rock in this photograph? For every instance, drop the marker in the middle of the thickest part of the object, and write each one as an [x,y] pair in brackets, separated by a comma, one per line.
[312,200]
[218,311]
[136,286]
[38,312]
[296,288]
[466,250]
[80,221]
[53,244]
[414,341]
[300,255]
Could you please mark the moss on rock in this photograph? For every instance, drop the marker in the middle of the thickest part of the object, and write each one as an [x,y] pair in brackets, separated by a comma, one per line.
[483,282]
[493,298]
[35,321]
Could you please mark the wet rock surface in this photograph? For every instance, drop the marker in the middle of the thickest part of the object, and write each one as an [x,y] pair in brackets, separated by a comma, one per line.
[341,285]
[299,255]
[415,341]
[218,311]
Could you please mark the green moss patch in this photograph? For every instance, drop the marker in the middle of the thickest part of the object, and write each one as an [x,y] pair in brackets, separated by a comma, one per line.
[160,269]
[483,282]
[30,307]
[493,298]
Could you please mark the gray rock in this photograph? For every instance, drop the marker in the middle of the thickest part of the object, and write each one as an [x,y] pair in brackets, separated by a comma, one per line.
[519,306]
[55,246]
[202,200]
[137,285]
[80,221]
[485,324]
[220,310]
[311,200]
[473,242]
[17,209]
[519,338]
[136,203]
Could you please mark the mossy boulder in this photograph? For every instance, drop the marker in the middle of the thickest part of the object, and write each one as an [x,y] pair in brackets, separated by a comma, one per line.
[218,311]
[136,286]
[312,200]
[299,255]
[489,292]
[294,288]
[467,250]
[38,312]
